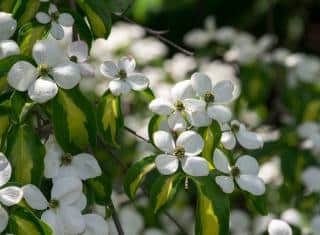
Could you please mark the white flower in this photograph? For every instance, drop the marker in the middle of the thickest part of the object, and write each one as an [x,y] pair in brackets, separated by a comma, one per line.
[185,149]
[124,78]
[179,66]
[270,171]
[315,224]
[56,19]
[279,227]
[59,164]
[244,172]
[238,131]
[239,222]
[95,225]
[310,178]
[52,70]
[182,103]
[292,216]
[214,96]
[63,212]
[78,52]
[10,195]
[148,49]
[8,26]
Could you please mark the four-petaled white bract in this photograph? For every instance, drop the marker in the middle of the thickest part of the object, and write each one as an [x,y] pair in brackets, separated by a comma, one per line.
[10,195]
[244,172]
[185,149]
[124,79]
[53,70]
[59,164]
[56,19]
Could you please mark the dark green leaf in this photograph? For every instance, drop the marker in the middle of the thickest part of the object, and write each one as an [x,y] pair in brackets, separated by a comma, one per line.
[24,11]
[101,188]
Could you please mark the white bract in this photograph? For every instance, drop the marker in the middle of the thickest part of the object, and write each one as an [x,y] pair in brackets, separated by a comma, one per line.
[78,52]
[95,225]
[239,222]
[63,212]
[238,131]
[10,195]
[310,178]
[244,172]
[60,164]
[279,227]
[53,70]
[8,26]
[56,19]
[123,77]
[180,107]
[185,149]
[213,96]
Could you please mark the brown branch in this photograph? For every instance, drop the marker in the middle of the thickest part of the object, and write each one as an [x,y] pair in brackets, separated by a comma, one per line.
[136,134]
[157,34]
[115,218]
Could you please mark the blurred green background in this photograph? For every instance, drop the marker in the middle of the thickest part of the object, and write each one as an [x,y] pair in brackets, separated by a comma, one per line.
[295,22]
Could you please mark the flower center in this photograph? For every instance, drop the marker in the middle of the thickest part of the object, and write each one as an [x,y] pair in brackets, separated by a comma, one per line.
[179,105]
[74,59]
[235,171]
[209,97]
[66,159]
[54,204]
[122,74]
[179,152]
[235,128]
[55,15]
[43,69]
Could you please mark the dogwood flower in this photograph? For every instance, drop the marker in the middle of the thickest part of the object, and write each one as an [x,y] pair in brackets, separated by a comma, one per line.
[239,132]
[279,227]
[185,149]
[181,105]
[244,172]
[52,70]
[95,225]
[10,195]
[8,26]
[309,178]
[78,52]
[123,77]
[59,164]
[62,212]
[56,20]
[214,96]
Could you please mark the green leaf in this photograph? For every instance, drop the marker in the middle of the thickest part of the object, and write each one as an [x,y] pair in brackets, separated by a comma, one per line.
[29,34]
[25,152]
[101,188]
[154,125]
[136,174]
[146,94]
[118,5]
[4,123]
[163,190]
[8,62]
[213,208]
[24,11]
[98,16]
[257,203]
[20,106]
[7,5]
[74,121]
[24,222]
[109,117]
[211,136]
[82,28]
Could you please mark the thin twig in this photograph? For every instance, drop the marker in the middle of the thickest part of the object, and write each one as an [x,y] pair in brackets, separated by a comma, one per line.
[137,135]
[157,34]
[115,218]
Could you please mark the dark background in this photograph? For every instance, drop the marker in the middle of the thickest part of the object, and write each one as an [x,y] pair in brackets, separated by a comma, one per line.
[295,22]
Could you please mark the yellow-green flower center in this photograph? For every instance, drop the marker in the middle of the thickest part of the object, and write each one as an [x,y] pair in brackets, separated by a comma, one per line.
[54,203]
[179,152]
[74,59]
[122,74]
[209,97]
[66,159]
[235,171]
[235,128]
[55,16]
[179,105]
[43,69]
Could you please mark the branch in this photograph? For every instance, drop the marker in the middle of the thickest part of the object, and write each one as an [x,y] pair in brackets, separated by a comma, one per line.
[137,135]
[115,218]
[157,34]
